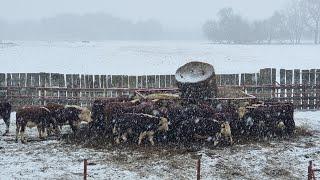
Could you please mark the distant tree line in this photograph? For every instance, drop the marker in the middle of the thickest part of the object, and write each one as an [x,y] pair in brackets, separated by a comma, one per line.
[97,26]
[299,20]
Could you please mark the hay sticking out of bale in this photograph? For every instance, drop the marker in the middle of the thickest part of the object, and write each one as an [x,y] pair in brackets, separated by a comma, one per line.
[163,96]
[231,92]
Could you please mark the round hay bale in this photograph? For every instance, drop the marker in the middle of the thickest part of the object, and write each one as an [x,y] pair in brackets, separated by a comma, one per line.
[197,80]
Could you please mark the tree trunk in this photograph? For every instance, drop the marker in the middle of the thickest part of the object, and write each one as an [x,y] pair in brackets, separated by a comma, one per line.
[270,39]
[316,33]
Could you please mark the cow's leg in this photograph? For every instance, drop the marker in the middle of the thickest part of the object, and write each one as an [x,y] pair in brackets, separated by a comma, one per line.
[150,137]
[125,137]
[17,131]
[7,122]
[39,131]
[60,128]
[73,124]
[230,140]
[117,139]
[22,131]
[217,139]
[141,137]
[116,133]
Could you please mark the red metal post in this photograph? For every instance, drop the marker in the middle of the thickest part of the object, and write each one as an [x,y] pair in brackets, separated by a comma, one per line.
[310,171]
[198,169]
[85,164]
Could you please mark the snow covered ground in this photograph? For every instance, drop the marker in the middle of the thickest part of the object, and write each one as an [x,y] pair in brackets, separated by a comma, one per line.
[53,159]
[159,57]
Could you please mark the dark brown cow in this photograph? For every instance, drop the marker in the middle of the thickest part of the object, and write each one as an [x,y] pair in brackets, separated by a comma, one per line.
[100,108]
[5,112]
[32,116]
[266,120]
[204,129]
[55,110]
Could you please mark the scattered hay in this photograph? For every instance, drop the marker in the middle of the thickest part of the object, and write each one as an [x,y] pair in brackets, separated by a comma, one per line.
[304,130]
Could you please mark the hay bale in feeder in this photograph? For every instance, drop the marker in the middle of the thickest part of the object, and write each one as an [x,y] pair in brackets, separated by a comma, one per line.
[197,80]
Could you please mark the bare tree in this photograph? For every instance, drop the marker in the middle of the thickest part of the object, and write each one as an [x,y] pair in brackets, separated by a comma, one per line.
[313,10]
[212,32]
[275,26]
[295,22]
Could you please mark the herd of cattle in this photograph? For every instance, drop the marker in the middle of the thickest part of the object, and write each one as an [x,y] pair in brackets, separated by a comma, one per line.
[157,120]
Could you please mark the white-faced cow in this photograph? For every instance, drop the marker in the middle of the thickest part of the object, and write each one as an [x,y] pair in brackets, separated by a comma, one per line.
[74,116]
[5,111]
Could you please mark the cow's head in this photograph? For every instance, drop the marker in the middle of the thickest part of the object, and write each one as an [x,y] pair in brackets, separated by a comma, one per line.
[85,115]
[163,124]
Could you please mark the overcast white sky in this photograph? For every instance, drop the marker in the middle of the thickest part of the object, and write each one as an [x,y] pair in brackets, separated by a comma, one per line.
[173,14]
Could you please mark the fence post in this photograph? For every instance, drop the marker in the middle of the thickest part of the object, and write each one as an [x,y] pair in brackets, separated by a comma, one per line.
[310,171]
[198,168]
[85,164]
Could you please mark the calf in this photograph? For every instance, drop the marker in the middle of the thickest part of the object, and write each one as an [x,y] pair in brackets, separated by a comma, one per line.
[141,125]
[5,111]
[31,116]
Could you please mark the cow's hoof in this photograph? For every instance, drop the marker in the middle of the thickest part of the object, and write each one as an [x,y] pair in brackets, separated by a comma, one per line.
[215,143]
[42,138]
[16,140]
[6,133]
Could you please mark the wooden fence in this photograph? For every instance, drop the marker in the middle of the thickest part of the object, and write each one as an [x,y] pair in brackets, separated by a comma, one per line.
[301,87]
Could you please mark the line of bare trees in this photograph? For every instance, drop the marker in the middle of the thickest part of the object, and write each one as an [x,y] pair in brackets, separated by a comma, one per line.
[299,20]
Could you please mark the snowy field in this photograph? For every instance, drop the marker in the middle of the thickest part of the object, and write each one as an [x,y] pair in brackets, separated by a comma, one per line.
[161,57]
[52,159]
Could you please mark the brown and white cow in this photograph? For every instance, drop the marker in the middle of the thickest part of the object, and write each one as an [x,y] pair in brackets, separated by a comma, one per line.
[32,116]
[139,125]
[68,115]
[74,116]
[5,112]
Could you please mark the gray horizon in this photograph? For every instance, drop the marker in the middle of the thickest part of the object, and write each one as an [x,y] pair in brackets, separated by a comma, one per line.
[177,18]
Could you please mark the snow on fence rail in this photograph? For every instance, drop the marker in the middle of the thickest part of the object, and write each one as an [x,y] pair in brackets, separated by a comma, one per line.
[301,87]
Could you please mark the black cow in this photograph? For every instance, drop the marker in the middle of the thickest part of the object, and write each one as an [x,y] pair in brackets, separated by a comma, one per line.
[139,125]
[267,120]
[204,129]
[5,111]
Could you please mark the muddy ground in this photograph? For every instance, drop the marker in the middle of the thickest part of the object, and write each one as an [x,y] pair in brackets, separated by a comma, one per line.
[266,159]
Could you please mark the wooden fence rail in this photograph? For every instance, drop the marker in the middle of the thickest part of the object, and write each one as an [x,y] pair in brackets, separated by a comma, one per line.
[301,87]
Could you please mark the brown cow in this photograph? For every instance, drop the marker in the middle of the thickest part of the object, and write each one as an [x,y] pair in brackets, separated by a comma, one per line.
[32,116]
